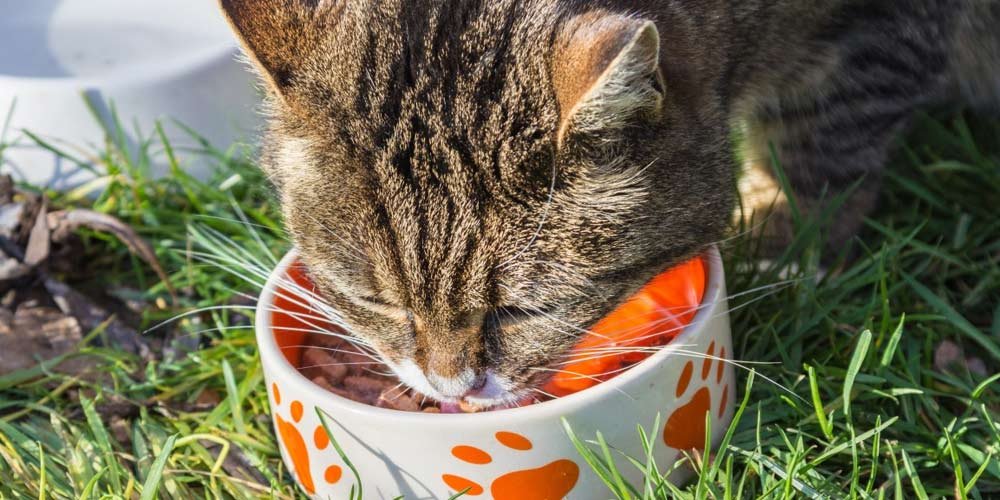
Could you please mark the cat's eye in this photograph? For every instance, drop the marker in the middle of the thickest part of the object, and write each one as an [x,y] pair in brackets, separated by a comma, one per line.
[372,300]
[383,307]
[509,315]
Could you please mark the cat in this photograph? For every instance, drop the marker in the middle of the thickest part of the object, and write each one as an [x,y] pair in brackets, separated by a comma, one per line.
[472,183]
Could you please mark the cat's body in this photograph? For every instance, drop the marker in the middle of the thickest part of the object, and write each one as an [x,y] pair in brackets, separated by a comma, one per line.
[474,182]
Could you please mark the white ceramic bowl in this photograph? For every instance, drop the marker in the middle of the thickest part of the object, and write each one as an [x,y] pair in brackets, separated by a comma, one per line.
[513,454]
[154,60]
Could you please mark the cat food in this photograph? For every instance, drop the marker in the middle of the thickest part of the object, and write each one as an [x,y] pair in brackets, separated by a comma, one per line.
[339,367]
[650,319]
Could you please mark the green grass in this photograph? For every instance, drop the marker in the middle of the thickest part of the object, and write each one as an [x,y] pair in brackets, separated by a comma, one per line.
[873,417]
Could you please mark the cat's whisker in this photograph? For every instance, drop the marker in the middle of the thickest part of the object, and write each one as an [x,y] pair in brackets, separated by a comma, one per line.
[309,319]
[381,374]
[369,355]
[224,253]
[248,266]
[311,303]
[599,377]
[361,344]
[360,347]
[219,329]
[658,322]
[237,221]
[231,268]
[596,354]
[394,389]
[253,232]
[741,364]
[302,316]
[226,246]
[777,287]
[231,263]
[358,253]
[543,393]
[554,318]
[360,351]
[294,293]
[299,296]
[583,376]
[195,312]
[351,363]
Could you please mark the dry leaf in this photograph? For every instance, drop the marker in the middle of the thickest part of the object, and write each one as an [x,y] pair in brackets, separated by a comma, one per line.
[39,240]
[65,222]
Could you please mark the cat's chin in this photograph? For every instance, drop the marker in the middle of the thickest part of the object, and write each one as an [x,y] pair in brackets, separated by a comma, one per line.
[496,392]
[511,401]
[483,402]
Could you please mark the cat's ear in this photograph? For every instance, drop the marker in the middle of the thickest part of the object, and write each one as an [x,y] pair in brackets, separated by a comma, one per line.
[606,74]
[277,35]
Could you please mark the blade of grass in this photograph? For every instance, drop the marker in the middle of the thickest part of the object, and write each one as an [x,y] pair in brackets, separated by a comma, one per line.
[355,493]
[860,352]
[235,401]
[954,317]
[152,483]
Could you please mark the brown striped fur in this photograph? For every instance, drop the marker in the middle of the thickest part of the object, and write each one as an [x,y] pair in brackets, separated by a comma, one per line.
[474,181]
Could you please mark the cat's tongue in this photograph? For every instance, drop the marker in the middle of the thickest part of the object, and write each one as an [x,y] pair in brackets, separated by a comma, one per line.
[450,408]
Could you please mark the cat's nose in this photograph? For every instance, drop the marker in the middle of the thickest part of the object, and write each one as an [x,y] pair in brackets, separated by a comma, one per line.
[466,383]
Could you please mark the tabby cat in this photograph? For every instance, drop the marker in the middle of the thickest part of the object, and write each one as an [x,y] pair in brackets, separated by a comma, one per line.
[474,182]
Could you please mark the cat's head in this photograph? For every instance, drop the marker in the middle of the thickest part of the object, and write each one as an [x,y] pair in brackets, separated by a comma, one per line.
[473,183]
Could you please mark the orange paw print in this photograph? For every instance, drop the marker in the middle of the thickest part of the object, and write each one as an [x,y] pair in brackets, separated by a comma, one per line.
[685,428]
[549,482]
[295,444]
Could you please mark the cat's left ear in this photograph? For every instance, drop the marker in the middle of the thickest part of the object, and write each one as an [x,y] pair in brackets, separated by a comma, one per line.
[278,35]
[606,73]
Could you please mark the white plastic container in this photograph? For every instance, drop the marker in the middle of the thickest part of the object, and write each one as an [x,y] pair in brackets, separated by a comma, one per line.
[152,59]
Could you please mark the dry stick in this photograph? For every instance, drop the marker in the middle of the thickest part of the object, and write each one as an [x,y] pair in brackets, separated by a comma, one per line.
[65,222]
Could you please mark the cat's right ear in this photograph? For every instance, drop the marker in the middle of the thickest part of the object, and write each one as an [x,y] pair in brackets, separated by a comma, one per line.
[606,74]
[278,35]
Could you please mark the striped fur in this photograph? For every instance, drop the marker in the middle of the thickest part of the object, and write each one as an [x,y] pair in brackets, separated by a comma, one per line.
[473,182]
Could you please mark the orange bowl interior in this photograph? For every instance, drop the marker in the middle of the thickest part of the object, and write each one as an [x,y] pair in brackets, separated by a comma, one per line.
[653,317]
[291,320]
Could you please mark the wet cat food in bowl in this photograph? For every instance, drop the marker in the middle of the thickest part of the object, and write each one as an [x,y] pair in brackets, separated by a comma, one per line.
[651,318]
[404,444]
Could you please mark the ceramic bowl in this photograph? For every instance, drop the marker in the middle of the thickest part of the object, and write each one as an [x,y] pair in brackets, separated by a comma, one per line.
[144,61]
[518,453]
